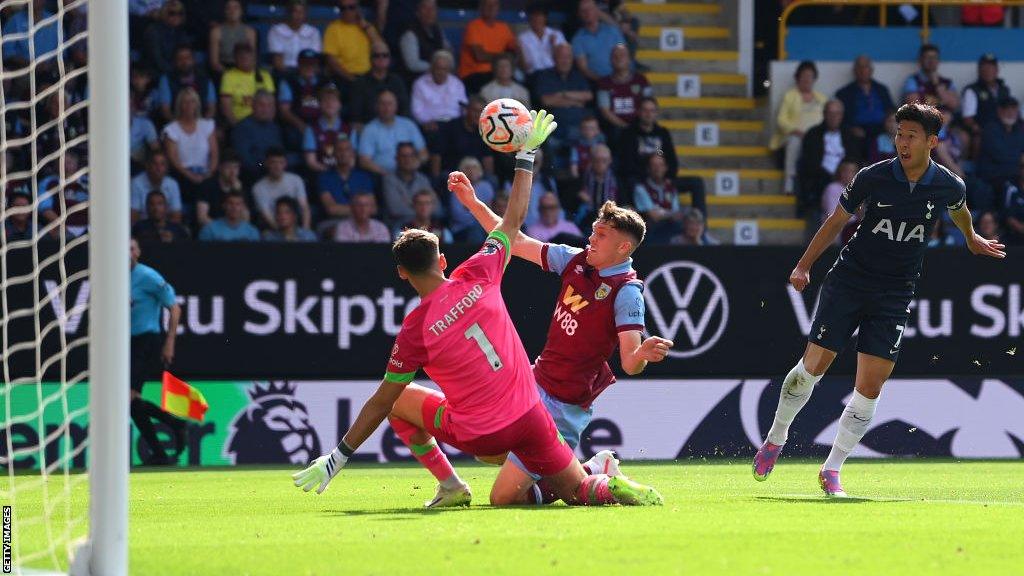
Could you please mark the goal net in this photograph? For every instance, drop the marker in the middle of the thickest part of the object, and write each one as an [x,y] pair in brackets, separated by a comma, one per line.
[51,447]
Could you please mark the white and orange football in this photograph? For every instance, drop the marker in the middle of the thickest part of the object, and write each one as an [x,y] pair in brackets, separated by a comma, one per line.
[505,125]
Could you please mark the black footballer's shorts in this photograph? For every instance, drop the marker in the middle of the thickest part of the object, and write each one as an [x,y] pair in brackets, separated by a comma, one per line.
[880,314]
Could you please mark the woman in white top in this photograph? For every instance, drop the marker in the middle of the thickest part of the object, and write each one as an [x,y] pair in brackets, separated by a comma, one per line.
[286,40]
[503,85]
[191,143]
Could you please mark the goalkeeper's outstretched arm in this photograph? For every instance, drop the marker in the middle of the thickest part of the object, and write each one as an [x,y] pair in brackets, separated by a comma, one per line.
[374,411]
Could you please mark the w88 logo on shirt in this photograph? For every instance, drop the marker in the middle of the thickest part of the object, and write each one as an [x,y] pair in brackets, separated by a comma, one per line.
[570,304]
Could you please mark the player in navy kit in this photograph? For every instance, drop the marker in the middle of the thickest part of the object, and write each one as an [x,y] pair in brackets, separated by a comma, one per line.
[871,284]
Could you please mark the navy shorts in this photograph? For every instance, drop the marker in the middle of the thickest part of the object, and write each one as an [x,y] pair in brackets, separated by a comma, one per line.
[880,315]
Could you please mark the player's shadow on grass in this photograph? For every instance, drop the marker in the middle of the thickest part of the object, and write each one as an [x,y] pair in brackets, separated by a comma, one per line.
[819,499]
[391,514]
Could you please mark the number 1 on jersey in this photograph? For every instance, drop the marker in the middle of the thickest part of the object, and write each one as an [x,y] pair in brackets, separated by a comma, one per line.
[474,332]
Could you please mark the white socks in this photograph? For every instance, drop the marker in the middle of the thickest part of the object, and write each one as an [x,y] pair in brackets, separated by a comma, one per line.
[853,424]
[796,391]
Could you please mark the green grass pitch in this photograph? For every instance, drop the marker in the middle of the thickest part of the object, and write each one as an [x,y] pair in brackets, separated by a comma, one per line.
[913,517]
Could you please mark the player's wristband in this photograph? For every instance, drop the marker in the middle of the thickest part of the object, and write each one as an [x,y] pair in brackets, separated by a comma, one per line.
[524,160]
[345,450]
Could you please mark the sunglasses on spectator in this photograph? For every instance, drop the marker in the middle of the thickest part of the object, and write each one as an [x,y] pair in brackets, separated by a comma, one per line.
[382,55]
[549,207]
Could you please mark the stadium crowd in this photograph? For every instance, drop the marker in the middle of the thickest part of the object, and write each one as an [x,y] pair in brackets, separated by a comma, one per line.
[345,129]
[823,141]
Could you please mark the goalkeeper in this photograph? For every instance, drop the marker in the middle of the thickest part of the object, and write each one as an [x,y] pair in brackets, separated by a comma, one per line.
[150,352]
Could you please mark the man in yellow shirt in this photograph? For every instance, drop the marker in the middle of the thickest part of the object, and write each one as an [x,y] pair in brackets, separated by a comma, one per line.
[347,42]
[240,84]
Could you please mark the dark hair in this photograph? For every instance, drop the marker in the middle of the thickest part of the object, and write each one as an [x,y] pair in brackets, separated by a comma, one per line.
[15,195]
[624,220]
[229,155]
[926,115]
[647,99]
[423,192]
[153,193]
[806,65]
[152,154]
[403,144]
[288,201]
[927,48]
[232,194]
[275,152]
[588,118]
[415,250]
[537,8]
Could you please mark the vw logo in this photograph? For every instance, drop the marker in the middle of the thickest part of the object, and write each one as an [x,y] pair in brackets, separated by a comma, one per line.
[687,295]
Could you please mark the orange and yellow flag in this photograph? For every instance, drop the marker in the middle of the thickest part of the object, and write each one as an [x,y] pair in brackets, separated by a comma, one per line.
[182,400]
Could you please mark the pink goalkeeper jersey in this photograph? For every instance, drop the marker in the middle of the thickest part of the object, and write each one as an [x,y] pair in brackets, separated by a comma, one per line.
[462,337]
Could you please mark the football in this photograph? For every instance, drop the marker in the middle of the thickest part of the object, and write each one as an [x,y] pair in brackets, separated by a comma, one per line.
[505,125]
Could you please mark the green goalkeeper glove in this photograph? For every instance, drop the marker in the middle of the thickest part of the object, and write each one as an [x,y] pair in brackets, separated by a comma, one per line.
[543,125]
[321,471]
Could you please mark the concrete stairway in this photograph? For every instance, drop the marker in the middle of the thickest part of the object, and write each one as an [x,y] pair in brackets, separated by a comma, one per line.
[710,52]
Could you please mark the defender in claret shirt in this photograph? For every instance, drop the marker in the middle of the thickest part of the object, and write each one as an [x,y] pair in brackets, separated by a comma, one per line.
[462,337]
[600,306]
[871,284]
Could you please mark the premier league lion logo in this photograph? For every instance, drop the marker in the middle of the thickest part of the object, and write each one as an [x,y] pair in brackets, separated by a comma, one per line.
[273,429]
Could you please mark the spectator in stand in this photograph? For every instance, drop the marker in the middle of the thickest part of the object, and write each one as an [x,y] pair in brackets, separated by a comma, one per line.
[926,85]
[323,134]
[155,178]
[279,183]
[141,13]
[599,185]
[437,101]
[232,227]
[362,227]
[421,41]
[424,209]
[55,126]
[298,97]
[824,147]
[695,231]
[401,187]
[143,137]
[486,38]
[224,36]
[883,145]
[644,138]
[240,85]
[592,44]
[866,101]
[367,87]
[286,41]
[565,92]
[579,155]
[954,146]
[164,36]
[252,137]
[1002,146]
[191,145]
[980,99]
[337,186]
[18,221]
[17,29]
[464,140]
[347,42]
[552,221]
[185,74]
[504,85]
[1013,209]
[66,194]
[156,227]
[210,203]
[538,41]
[286,227]
[378,143]
[143,97]
[461,222]
[500,203]
[657,200]
[619,95]
[802,107]
[987,225]
[834,191]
